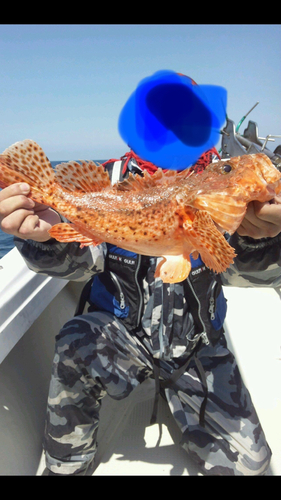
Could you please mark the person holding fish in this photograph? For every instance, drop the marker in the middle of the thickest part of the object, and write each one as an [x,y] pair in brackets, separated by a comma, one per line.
[157,248]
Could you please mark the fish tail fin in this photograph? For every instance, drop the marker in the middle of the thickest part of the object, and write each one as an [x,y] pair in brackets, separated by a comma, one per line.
[215,252]
[26,162]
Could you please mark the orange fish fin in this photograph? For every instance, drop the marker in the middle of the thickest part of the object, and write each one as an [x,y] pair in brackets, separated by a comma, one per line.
[226,211]
[195,254]
[139,183]
[26,162]
[85,176]
[67,233]
[215,252]
[173,269]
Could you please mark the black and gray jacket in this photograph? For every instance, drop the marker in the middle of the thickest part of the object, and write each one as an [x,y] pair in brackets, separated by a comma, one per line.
[167,317]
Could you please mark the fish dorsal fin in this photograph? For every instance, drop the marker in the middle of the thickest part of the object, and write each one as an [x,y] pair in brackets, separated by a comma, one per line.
[159,178]
[83,176]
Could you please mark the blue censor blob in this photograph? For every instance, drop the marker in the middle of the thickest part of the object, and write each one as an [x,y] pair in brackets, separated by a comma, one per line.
[171,121]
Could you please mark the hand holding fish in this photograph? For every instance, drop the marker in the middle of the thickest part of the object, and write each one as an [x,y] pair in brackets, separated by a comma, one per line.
[262,220]
[21,216]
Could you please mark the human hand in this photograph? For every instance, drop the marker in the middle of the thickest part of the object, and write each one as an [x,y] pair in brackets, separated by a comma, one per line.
[262,220]
[20,216]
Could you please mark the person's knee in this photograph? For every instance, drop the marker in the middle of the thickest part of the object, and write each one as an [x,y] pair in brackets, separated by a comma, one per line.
[74,329]
[73,340]
[255,464]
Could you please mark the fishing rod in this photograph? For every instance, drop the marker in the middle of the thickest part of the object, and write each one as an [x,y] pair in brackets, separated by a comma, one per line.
[235,144]
[240,123]
[244,117]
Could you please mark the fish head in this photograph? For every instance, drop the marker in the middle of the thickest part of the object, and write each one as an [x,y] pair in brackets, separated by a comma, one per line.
[254,175]
[226,188]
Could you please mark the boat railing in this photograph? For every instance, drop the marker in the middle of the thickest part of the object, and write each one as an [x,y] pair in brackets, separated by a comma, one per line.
[24,294]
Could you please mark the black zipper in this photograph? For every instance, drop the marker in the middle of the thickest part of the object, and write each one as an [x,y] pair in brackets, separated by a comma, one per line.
[122,301]
[122,298]
[139,290]
[212,300]
[203,334]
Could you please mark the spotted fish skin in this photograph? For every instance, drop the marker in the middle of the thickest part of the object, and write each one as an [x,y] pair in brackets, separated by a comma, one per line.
[166,214]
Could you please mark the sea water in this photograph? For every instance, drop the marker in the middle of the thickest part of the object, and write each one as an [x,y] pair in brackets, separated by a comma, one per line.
[7,241]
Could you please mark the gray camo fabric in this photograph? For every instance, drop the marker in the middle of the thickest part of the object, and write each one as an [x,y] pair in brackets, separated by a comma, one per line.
[96,355]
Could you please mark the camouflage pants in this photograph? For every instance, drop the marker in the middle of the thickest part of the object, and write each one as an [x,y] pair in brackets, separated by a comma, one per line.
[96,355]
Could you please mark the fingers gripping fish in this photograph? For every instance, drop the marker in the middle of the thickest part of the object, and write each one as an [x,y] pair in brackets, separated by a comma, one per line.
[172,215]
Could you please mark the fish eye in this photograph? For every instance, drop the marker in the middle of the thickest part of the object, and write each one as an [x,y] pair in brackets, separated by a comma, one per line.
[227,168]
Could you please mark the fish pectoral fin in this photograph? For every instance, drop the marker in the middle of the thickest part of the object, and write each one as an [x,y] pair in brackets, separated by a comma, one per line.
[66,233]
[173,269]
[215,252]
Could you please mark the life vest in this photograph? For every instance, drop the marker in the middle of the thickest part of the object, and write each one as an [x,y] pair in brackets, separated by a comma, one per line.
[118,289]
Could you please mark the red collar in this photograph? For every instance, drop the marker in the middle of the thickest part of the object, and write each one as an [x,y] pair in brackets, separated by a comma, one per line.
[204,160]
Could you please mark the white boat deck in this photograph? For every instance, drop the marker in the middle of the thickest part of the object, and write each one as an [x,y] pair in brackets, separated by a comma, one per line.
[128,444]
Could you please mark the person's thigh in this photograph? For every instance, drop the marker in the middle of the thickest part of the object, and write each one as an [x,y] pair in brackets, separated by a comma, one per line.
[232,441]
[99,346]
[94,355]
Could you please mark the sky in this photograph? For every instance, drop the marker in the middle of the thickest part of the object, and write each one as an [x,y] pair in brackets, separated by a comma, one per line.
[64,86]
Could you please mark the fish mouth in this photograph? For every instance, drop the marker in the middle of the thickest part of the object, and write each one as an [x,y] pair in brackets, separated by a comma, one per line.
[272,192]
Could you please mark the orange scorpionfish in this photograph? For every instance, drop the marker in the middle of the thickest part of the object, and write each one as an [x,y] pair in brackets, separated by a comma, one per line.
[166,214]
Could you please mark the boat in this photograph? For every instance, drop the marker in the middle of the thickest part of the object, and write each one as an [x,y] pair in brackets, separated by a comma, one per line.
[34,307]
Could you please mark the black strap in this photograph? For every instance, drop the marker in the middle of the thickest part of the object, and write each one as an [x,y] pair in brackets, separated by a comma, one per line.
[165,383]
[156,371]
[205,389]
[84,297]
[174,377]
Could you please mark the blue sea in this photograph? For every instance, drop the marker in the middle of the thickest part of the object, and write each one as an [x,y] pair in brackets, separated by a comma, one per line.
[7,241]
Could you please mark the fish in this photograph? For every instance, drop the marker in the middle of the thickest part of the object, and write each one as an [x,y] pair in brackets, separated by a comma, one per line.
[168,214]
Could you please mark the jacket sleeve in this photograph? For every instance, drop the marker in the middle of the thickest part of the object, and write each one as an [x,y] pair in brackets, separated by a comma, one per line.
[258,262]
[62,260]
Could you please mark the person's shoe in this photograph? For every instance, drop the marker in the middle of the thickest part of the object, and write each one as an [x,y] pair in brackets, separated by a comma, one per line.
[48,472]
